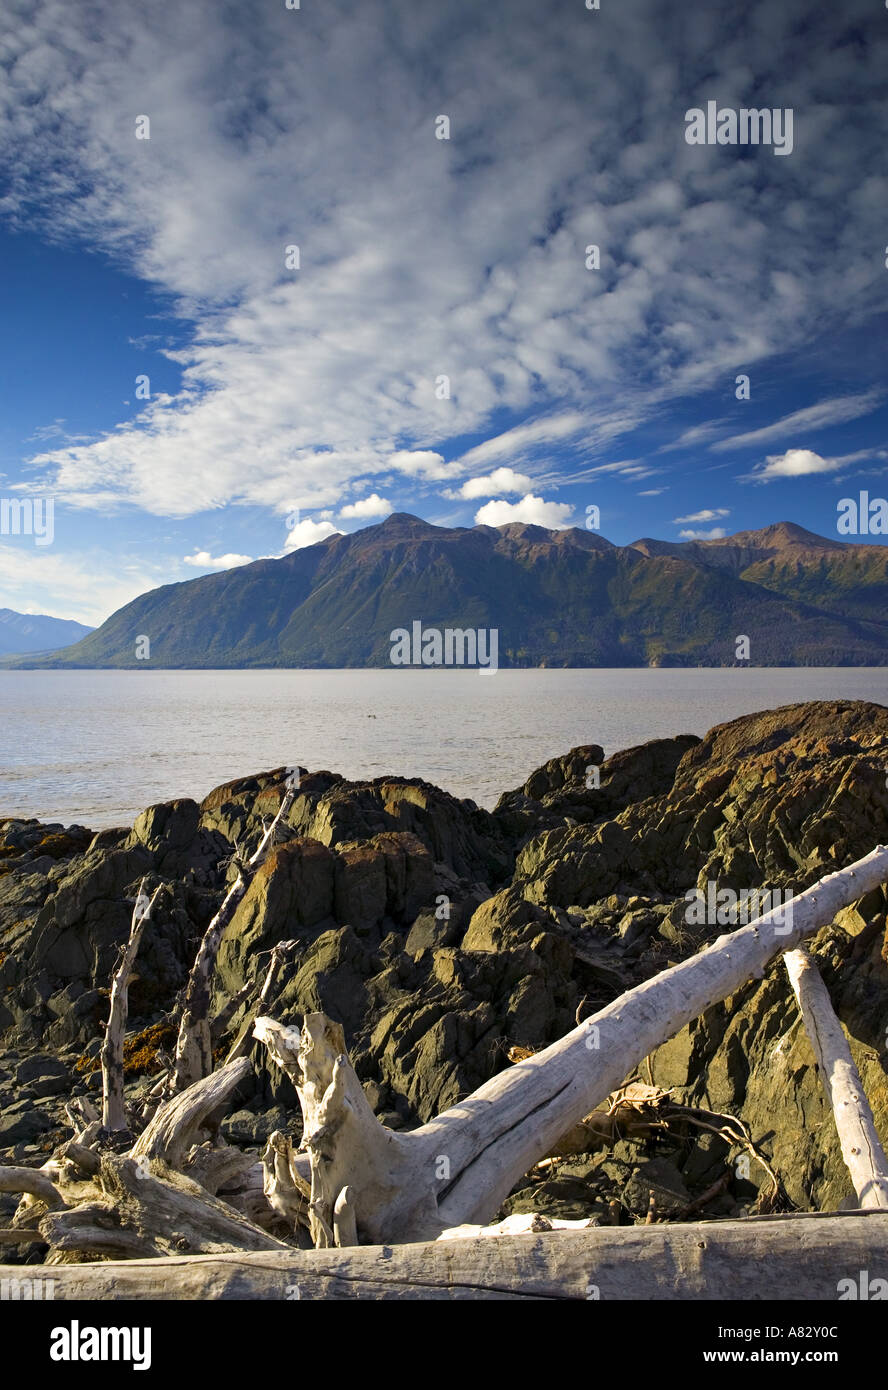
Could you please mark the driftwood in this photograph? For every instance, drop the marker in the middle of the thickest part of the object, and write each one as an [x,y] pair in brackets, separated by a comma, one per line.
[861,1147]
[33,1181]
[768,1259]
[244,1040]
[160,1199]
[458,1168]
[174,1127]
[194,1052]
[113,1111]
[181,1190]
[146,1215]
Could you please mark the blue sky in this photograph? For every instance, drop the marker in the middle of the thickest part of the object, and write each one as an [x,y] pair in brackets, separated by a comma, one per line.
[277,392]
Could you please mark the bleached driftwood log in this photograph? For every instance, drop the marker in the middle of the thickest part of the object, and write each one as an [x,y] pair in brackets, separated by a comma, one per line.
[459,1167]
[194,1052]
[113,1112]
[861,1147]
[813,1257]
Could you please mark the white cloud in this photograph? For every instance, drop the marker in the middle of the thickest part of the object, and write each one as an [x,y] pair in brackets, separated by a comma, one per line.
[297,385]
[708,514]
[500,480]
[837,411]
[530,509]
[653,491]
[374,505]
[693,437]
[801,463]
[308,532]
[86,586]
[422,463]
[202,559]
[715,534]
[516,442]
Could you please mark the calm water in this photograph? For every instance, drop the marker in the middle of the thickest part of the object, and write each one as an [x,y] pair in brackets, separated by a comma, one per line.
[96,747]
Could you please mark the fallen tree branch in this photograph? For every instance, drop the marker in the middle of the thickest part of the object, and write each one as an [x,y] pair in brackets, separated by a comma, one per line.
[32,1181]
[173,1129]
[861,1147]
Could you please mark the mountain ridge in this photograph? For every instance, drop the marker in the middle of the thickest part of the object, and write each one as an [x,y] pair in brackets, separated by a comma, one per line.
[568,598]
[37,632]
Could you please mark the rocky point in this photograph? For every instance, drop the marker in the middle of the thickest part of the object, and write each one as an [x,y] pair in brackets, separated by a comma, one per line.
[445,938]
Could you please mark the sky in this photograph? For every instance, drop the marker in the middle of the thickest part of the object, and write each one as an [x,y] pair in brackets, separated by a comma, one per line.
[296,298]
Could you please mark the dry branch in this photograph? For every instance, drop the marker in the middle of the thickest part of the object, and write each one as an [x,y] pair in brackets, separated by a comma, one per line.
[113,1112]
[174,1128]
[861,1147]
[32,1181]
[193,1058]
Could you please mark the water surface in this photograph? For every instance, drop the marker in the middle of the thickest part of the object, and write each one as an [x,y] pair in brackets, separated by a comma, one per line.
[96,747]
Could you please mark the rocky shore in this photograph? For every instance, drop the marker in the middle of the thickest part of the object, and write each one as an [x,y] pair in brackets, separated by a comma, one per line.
[447,940]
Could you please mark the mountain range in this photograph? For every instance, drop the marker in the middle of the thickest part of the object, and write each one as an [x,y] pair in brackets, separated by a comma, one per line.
[35,632]
[557,598]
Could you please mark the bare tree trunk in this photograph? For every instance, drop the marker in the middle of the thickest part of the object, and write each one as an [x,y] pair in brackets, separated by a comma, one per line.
[244,1040]
[861,1147]
[113,1112]
[194,1052]
[459,1168]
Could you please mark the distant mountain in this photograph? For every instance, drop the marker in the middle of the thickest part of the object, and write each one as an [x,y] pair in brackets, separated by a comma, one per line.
[34,632]
[557,598]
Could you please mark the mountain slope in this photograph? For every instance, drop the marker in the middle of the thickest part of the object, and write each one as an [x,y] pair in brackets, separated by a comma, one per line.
[557,598]
[35,632]
[836,576]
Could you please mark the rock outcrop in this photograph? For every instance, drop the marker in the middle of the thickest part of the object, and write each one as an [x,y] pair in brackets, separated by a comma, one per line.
[442,937]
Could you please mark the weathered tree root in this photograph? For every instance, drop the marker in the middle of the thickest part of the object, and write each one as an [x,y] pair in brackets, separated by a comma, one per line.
[146,1215]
